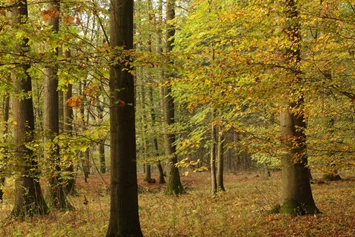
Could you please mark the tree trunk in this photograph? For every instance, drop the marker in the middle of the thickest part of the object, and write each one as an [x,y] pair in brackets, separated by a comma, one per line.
[220,160]
[102,157]
[153,114]
[296,193]
[155,139]
[69,185]
[51,121]
[28,195]
[6,112]
[213,155]
[124,218]
[174,183]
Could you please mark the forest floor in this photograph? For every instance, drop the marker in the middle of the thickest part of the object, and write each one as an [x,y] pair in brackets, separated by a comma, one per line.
[240,211]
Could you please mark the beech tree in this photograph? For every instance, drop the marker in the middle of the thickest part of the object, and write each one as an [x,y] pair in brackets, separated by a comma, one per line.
[296,193]
[28,195]
[124,219]
[51,118]
[174,185]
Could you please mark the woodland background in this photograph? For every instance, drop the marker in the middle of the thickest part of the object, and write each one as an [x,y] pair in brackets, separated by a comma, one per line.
[213,82]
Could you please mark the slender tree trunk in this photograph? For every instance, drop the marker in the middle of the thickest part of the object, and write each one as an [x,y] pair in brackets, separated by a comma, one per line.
[159,50]
[148,172]
[28,195]
[85,156]
[331,172]
[68,129]
[124,218]
[213,156]
[296,193]
[6,112]
[155,139]
[100,111]
[220,160]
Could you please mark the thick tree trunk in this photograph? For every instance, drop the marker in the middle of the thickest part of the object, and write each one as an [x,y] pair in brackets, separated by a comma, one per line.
[296,193]
[124,218]
[51,121]
[174,183]
[28,195]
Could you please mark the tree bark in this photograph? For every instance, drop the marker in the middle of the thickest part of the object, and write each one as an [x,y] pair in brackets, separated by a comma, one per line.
[51,121]
[213,155]
[124,218]
[28,195]
[159,50]
[100,112]
[69,185]
[155,139]
[6,112]
[296,193]
[220,160]
[174,183]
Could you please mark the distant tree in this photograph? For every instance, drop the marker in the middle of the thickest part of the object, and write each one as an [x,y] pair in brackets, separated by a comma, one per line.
[6,112]
[220,159]
[124,218]
[213,153]
[69,183]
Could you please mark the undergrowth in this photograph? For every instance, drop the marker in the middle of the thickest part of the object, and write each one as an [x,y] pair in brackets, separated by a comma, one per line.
[243,210]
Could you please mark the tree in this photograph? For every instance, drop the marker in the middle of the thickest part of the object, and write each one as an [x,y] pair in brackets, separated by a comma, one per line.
[28,195]
[213,153]
[296,193]
[69,185]
[51,119]
[6,111]
[174,183]
[220,159]
[124,219]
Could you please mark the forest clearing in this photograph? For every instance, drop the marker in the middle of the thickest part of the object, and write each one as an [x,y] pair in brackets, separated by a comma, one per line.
[240,211]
